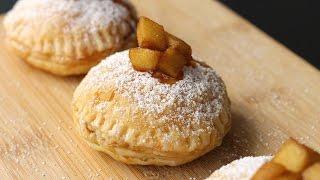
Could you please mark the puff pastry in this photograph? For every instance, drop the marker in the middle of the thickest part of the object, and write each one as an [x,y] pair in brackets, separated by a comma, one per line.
[241,169]
[68,37]
[138,120]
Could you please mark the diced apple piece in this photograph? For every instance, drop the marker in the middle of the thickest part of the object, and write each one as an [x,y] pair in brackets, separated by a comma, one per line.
[269,171]
[180,45]
[312,172]
[172,63]
[289,176]
[151,35]
[295,157]
[144,59]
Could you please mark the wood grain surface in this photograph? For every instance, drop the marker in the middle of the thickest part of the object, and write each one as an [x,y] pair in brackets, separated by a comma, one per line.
[274,94]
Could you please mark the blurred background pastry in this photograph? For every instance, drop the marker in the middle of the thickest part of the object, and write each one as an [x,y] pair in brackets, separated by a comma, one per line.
[68,37]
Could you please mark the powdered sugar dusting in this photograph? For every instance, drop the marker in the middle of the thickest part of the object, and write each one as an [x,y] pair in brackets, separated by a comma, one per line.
[241,169]
[92,14]
[199,97]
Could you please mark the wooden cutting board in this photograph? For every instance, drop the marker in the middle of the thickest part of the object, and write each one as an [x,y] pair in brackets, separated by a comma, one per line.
[274,94]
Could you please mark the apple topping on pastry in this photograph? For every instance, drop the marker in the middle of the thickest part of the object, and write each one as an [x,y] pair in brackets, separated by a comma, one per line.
[312,172]
[295,157]
[179,45]
[293,161]
[151,35]
[172,63]
[144,59]
[159,52]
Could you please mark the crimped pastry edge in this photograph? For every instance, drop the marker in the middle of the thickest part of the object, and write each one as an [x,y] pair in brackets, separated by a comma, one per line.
[65,66]
[144,155]
[70,46]
[129,156]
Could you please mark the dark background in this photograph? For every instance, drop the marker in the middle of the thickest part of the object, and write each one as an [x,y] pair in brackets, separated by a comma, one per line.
[295,23]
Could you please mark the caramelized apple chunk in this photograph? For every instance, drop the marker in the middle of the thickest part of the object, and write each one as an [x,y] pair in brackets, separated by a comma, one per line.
[144,59]
[289,176]
[269,171]
[172,63]
[312,172]
[151,35]
[160,52]
[295,157]
[180,45]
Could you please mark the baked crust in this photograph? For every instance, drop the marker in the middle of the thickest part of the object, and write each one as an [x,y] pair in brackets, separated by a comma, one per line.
[117,111]
[68,37]
[240,169]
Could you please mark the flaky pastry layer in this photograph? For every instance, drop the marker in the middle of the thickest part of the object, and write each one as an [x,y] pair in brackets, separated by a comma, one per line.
[67,37]
[127,129]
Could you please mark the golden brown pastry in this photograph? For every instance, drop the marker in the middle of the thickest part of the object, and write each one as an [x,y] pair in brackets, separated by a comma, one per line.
[137,119]
[68,37]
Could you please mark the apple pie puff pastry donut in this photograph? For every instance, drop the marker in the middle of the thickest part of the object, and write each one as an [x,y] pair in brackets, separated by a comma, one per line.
[136,119]
[68,37]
